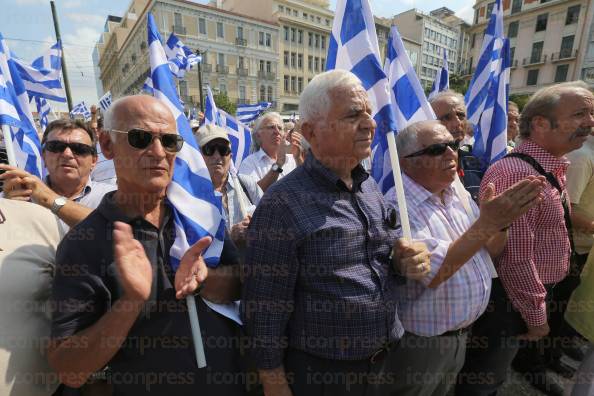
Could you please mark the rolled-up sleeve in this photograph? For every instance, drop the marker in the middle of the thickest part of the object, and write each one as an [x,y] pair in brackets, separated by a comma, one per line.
[270,275]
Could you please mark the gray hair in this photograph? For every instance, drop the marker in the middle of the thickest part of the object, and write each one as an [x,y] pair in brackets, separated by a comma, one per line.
[109,118]
[446,94]
[544,102]
[314,103]
[407,140]
[265,116]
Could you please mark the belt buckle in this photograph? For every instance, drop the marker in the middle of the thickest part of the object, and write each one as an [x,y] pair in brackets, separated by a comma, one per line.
[379,354]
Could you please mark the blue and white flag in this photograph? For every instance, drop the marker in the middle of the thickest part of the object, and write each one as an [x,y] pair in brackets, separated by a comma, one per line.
[105,101]
[247,113]
[442,78]
[353,47]
[43,110]
[16,113]
[490,135]
[181,58]
[197,210]
[148,86]
[81,109]
[483,77]
[239,134]
[409,105]
[42,78]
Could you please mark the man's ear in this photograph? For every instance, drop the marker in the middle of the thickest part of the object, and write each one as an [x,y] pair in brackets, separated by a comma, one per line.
[107,145]
[307,131]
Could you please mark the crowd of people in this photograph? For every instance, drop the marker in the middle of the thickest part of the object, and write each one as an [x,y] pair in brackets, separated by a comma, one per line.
[331,298]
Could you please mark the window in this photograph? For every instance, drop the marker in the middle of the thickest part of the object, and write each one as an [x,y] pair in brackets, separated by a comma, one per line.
[241,92]
[239,32]
[268,40]
[310,39]
[300,36]
[516,6]
[220,30]
[304,15]
[286,58]
[223,88]
[281,8]
[512,53]
[261,38]
[269,66]
[561,73]
[573,14]
[323,63]
[177,19]
[323,42]
[262,93]
[288,11]
[512,29]
[286,83]
[536,52]
[293,84]
[310,63]
[566,47]
[532,77]
[317,40]
[202,25]
[473,40]
[293,34]
[541,22]
[300,61]
[270,94]
[476,16]
[222,59]
[183,88]
[299,84]
[295,13]
[293,57]
[317,64]
[240,62]
[490,9]
[327,22]
[286,28]
[261,65]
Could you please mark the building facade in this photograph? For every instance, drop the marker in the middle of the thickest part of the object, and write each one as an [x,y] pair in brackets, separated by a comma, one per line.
[239,53]
[435,35]
[549,40]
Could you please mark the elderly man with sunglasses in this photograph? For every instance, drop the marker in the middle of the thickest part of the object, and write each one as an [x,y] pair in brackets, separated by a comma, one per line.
[119,303]
[436,311]
[69,154]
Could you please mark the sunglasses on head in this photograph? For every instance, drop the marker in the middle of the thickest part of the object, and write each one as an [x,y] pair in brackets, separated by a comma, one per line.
[223,149]
[57,146]
[141,139]
[436,149]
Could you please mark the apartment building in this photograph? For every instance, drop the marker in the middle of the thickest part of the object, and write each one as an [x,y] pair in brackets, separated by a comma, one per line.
[436,35]
[548,40]
[240,53]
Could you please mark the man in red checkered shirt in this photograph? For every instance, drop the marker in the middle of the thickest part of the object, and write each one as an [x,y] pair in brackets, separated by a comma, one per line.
[555,121]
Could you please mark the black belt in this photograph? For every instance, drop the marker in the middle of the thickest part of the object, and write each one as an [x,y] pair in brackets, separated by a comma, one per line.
[381,353]
[457,332]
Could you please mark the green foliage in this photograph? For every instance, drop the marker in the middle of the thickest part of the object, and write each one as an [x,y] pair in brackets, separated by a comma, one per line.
[520,100]
[222,101]
[458,83]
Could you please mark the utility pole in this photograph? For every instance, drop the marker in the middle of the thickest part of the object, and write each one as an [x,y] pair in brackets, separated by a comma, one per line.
[59,38]
[200,81]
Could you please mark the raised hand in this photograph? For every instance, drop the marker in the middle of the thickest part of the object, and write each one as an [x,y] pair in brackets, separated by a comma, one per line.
[21,185]
[238,231]
[192,269]
[134,268]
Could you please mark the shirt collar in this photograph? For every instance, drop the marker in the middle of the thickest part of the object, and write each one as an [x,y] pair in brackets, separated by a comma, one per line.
[549,162]
[112,212]
[417,194]
[85,191]
[316,168]
[261,154]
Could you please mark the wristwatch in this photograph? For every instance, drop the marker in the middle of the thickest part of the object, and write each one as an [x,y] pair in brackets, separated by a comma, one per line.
[57,205]
[276,168]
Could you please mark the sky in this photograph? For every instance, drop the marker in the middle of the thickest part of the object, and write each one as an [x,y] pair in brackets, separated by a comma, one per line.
[27,25]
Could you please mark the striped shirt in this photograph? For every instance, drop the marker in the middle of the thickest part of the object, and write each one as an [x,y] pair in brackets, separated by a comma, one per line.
[460,300]
[537,252]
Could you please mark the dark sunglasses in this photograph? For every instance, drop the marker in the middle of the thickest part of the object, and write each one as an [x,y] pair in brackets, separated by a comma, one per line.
[223,149]
[436,149]
[141,139]
[57,146]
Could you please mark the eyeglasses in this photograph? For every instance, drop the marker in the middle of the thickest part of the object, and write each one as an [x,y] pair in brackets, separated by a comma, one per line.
[223,149]
[58,146]
[141,139]
[436,149]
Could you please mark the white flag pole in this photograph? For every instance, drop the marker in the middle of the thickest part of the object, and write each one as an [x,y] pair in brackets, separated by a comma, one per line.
[398,186]
[8,144]
[196,334]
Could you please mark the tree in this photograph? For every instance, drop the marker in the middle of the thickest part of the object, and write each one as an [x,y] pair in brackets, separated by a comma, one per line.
[520,100]
[458,83]
[222,101]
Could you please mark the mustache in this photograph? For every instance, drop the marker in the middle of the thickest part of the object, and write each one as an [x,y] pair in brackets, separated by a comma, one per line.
[581,132]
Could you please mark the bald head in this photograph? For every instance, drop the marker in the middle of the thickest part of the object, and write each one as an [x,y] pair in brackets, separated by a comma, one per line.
[127,112]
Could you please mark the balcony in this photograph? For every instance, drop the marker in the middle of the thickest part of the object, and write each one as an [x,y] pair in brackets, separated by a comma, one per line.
[179,30]
[241,42]
[264,75]
[206,67]
[564,55]
[241,71]
[222,69]
[534,60]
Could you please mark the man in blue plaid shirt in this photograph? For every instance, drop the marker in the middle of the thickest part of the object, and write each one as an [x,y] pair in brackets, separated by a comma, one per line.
[323,258]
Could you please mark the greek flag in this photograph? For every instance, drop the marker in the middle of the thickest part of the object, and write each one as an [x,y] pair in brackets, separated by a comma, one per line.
[105,101]
[490,135]
[148,86]
[248,113]
[42,78]
[181,58]
[239,134]
[409,105]
[81,109]
[442,79]
[197,211]
[43,110]
[483,77]
[16,114]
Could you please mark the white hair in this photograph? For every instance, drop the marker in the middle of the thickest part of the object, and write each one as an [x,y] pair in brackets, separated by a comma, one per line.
[447,94]
[265,116]
[314,103]
[407,140]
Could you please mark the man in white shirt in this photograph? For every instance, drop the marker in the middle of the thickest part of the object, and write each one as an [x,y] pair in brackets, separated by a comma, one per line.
[273,160]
